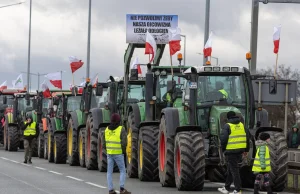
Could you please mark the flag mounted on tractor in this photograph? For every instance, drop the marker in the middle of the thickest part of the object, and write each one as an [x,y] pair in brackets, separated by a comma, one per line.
[75,63]
[55,79]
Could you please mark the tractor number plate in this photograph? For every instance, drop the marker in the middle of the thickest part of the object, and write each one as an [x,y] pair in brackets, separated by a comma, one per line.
[193,85]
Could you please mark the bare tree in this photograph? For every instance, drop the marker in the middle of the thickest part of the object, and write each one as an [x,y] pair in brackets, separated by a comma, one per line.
[276,113]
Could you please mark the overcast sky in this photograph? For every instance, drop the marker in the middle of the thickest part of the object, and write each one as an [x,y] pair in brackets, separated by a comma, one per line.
[59,30]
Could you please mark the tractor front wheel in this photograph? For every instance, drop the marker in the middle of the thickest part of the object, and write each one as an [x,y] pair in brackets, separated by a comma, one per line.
[91,138]
[13,138]
[81,147]
[46,145]
[50,146]
[41,145]
[73,158]
[60,148]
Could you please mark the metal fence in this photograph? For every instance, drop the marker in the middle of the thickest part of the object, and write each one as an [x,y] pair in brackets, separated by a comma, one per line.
[294,169]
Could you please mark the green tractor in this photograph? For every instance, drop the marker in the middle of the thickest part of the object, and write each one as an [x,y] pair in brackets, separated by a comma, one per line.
[189,144]
[95,156]
[23,104]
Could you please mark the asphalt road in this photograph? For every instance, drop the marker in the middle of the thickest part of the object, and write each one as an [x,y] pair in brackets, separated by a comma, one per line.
[48,178]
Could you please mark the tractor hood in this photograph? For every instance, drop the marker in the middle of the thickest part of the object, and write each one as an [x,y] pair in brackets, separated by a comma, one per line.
[218,117]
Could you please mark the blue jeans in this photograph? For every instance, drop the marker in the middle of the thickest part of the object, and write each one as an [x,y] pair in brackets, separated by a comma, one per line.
[119,159]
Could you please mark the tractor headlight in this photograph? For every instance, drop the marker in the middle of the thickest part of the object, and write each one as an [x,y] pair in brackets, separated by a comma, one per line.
[236,69]
[207,68]
[154,98]
[163,73]
[217,69]
[157,73]
[226,68]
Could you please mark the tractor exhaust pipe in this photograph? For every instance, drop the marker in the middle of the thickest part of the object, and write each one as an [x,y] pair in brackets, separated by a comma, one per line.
[149,94]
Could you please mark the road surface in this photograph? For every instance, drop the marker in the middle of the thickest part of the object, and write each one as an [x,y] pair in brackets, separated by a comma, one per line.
[48,178]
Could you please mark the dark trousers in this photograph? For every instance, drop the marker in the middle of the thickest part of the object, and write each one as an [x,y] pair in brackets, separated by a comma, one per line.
[233,171]
[28,149]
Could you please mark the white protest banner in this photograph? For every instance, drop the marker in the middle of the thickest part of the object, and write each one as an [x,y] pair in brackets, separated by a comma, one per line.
[158,26]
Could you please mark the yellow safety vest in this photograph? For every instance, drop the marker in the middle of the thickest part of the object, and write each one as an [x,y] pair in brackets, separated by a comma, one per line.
[113,140]
[257,166]
[168,97]
[237,138]
[225,94]
[30,130]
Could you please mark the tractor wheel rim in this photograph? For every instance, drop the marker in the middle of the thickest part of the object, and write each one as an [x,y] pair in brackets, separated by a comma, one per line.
[141,154]
[80,148]
[55,154]
[89,142]
[49,142]
[162,151]
[128,149]
[178,163]
[70,141]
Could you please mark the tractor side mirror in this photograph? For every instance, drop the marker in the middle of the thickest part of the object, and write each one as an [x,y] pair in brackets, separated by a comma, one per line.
[170,85]
[272,86]
[74,91]
[134,74]
[99,90]
[4,99]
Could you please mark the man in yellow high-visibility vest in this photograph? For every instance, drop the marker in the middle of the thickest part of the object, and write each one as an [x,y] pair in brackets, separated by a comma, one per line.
[114,141]
[235,142]
[31,131]
[220,88]
[262,163]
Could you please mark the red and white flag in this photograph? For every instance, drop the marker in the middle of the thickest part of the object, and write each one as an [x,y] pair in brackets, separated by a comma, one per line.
[136,65]
[46,91]
[3,85]
[55,79]
[276,38]
[95,80]
[75,63]
[150,47]
[208,46]
[174,40]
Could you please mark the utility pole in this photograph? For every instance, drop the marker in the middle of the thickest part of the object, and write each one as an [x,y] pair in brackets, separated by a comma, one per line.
[29,46]
[254,28]
[89,42]
[206,29]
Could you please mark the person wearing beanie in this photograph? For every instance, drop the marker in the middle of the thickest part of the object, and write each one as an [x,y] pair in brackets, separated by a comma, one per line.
[31,131]
[235,143]
[293,139]
[262,163]
[114,141]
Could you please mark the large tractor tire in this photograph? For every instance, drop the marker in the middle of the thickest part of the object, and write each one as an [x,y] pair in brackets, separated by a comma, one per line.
[34,147]
[132,147]
[189,161]
[13,138]
[101,154]
[73,158]
[50,145]
[148,153]
[46,145]
[279,159]
[60,148]
[217,174]
[5,143]
[91,138]
[81,147]
[41,145]
[165,156]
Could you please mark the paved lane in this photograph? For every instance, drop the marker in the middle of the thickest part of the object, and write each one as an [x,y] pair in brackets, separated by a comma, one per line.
[44,177]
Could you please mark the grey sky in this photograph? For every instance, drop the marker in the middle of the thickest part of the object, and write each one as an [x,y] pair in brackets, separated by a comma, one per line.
[59,29]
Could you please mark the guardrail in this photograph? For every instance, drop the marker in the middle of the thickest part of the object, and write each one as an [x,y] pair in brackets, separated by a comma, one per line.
[294,169]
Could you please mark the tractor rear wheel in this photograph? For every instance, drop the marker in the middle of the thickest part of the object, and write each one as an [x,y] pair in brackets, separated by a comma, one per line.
[91,138]
[279,159]
[132,147]
[81,147]
[60,148]
[34,147]
[46,145]
[50,145]
[41,145]
[13,138]
[165,156]
[189,161]
[73,158]
[148,153]
[217,173]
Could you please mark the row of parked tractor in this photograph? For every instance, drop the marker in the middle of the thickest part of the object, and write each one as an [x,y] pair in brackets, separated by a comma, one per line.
[173,117]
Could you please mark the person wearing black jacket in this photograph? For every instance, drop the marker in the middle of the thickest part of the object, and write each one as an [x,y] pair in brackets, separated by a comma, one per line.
[31,131]
[293,139]
[235,143]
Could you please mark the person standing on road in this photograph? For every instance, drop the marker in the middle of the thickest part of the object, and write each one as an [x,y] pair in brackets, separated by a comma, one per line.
[294,137]
[31,131]
[115,142]
[235,143]
[262,163]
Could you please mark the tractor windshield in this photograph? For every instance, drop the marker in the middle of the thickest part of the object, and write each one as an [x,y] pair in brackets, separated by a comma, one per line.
[9,99]
[22,105]
[73,103]
[136,92]
[161,87]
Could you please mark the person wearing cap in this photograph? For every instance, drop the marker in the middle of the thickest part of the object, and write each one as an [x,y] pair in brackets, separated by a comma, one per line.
[262,163]
[235,143]
[31,131]
[114,141]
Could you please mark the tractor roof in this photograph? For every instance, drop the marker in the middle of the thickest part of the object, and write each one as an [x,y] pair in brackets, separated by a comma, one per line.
[22,95]
[168,69]
[11,91]
[217,69]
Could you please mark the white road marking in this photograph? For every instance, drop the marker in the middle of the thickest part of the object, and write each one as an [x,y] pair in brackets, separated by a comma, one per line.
[24,164]
[4,158]
[15,161]
[55,172]
[100,186]
[74,178]
[40,168]
[117,191]
[222,184]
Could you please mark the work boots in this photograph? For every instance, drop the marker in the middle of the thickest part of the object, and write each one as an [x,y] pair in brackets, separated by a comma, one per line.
[269,190]
[256,189]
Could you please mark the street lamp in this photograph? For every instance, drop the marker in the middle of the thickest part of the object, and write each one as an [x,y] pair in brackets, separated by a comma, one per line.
[36,74]
[29,47]
[184,54]
[211,57]
[206,28]
[89,42]
[11,4]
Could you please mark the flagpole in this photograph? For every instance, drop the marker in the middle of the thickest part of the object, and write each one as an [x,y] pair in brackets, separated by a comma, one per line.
[171,62]
[61,80]
[275,70]
[73,78]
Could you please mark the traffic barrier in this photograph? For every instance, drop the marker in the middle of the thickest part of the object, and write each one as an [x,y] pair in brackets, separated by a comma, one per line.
[293,169]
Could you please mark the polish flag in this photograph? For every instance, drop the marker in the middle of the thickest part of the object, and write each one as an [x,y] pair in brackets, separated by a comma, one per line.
[95,80]
[3,85]
[55,79]
[276,38]
[46,91]
[150,47]
[136,65]
[174,40]
[75,63]
[208,46]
